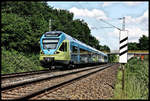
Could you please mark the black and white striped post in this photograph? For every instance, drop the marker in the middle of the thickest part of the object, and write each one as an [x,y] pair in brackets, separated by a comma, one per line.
[123,50]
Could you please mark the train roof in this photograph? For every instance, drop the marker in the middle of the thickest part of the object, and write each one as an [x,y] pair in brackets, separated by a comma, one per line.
[81,44]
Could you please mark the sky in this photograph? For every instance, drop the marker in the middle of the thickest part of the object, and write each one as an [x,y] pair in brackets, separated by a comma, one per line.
[135,13]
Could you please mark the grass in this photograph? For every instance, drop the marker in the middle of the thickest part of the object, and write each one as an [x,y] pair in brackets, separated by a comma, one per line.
[136,80]
[14,62]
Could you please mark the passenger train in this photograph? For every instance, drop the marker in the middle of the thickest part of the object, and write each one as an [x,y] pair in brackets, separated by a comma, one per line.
[58,48]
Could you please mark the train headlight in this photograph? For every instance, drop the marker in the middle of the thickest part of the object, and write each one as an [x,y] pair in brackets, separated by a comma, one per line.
[42,52]
[56,52]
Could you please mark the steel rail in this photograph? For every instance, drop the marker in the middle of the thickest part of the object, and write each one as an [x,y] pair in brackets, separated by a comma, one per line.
[42,79]
[5,76]
[60,84]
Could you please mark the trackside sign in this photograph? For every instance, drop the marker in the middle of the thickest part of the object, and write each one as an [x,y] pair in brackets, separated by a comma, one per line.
[123,50]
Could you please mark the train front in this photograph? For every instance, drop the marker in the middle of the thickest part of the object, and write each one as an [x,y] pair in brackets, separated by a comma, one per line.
[52,48]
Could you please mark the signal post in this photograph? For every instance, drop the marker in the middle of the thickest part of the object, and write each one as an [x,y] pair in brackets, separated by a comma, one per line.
[123,50]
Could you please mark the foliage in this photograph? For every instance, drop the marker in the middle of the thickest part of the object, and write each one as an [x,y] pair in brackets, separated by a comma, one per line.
[15,32]
[112,58]
[144,41]
[136,80]
[13,62]
[133,46]
[23,23]
[142,45]
[105,48]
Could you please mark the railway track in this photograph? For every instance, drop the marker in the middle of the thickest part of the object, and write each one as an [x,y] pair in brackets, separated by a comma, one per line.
[5,76]
[22,79]
[32,88]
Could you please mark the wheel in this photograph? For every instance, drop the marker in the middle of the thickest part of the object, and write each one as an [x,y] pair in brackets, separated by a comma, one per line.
[52,67]
[77,66]
[70,66]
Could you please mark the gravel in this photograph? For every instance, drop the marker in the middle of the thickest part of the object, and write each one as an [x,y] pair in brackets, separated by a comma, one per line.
[28,78]
[35,87]
[97,86]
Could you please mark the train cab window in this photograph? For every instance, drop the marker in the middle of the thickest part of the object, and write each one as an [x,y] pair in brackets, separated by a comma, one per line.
[63,47]
[74,49]
[49,43]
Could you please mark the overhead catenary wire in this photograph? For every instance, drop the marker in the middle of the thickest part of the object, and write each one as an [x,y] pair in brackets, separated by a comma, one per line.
[94,24]
[109,24]
[84,12]
[103,21]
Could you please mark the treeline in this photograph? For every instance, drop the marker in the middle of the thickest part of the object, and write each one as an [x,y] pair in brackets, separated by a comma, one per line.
[23,23]
[142,45]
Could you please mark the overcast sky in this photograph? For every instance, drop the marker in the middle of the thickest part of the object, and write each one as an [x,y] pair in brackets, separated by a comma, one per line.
[135,13]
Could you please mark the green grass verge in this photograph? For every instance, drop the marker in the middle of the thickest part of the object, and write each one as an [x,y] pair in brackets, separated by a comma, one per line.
[136,80]
[14,62]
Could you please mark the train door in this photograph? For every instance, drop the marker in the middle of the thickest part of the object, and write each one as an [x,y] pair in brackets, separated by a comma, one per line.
[75,54]
[65,49]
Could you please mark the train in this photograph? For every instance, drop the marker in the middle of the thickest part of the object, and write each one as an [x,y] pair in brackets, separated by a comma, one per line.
[58,48]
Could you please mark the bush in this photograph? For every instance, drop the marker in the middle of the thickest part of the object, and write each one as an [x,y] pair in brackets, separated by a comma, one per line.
[13,62]
[136,80]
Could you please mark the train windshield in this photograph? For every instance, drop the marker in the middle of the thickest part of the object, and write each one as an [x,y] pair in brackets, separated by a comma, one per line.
[50,43]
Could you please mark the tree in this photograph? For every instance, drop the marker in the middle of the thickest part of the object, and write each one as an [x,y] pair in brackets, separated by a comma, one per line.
[112,58]
[133,46]
[105,48]
[23,23]
[144,43]
[15,31]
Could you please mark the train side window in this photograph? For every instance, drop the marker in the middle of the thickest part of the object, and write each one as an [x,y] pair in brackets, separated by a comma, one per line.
[74,49]
[105,57]
[83,51]
[63,47]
